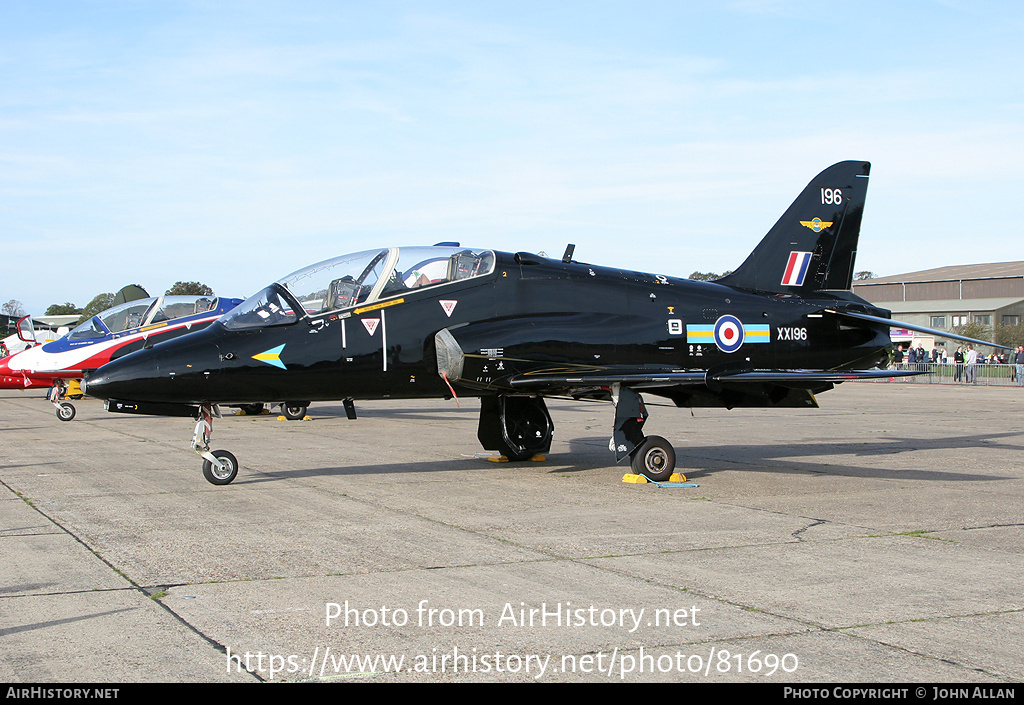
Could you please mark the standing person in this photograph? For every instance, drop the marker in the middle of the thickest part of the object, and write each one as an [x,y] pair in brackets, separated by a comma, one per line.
[897,356]
[1018,361]
[958,358]
[972,365]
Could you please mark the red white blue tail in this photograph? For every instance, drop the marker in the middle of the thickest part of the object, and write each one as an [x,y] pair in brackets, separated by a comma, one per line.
[814,244]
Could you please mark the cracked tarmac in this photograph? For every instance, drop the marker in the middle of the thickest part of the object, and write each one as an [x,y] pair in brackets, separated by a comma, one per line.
[877,539]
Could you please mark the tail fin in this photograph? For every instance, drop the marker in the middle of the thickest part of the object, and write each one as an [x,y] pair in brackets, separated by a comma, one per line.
[814,244]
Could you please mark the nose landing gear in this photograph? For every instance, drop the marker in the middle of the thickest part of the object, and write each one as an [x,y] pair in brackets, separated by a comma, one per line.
[65,410]
[219,467]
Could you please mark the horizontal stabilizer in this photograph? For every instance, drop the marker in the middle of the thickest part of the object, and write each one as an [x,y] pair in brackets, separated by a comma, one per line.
[910,326]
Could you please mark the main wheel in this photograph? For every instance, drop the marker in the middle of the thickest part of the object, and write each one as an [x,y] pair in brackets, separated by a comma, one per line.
[218,476]
[517,427]
[293,411]
[655,458]
[527,426]
[65,412]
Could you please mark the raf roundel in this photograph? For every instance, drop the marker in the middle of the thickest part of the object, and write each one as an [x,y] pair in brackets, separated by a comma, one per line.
[728,334]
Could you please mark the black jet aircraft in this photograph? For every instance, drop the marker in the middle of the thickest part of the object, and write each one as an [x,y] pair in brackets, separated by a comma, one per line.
[512,329]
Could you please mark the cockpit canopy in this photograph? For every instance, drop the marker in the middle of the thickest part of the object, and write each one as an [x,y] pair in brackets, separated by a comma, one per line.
[135,314]
[358,279]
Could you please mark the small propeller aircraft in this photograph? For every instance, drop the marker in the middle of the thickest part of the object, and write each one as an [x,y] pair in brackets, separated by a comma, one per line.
[512,329]
[116,332]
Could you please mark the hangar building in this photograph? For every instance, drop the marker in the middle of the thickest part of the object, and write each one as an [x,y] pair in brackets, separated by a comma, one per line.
[990,294]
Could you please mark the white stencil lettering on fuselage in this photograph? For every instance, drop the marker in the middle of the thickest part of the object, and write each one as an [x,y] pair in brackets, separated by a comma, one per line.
[792,334]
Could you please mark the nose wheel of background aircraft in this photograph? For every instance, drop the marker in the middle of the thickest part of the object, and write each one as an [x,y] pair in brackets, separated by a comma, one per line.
[655,458]
[65,411]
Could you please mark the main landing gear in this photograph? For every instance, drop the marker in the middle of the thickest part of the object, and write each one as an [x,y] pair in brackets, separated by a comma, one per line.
[294,410]
[655,458]
[650,456]
[517,427]
[219,467]
[521,428]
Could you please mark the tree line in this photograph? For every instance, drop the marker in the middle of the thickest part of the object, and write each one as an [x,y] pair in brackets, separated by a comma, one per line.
[101,302]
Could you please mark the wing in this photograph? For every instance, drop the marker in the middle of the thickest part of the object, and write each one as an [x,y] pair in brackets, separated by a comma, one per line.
[725,385]
[541,381]
[747,388]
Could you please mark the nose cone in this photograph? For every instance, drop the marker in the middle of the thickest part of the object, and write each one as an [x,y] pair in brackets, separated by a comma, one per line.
[137,376]
[176,371]
[7,379]
[15,375]
[209,366]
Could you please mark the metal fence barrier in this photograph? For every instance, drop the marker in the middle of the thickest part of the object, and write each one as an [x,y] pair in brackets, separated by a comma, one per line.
[952,373]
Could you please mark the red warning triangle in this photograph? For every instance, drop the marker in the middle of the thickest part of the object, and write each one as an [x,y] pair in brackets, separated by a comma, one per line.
[448,305]
[371,325]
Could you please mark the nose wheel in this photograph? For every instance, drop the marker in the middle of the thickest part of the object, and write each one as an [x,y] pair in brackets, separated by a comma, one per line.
[65,410]
[224,471]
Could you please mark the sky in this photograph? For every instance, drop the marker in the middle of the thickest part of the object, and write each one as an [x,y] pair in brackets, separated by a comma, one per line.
[232,143]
